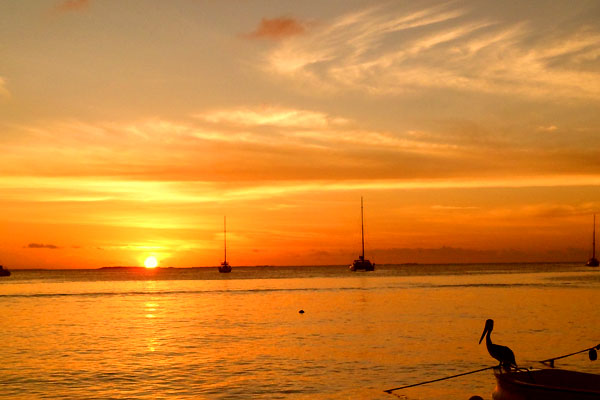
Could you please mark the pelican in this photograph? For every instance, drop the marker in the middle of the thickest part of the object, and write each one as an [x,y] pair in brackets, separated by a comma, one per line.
[500,353]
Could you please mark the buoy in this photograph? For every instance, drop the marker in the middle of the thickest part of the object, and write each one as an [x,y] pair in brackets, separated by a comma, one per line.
[475,398]
[593,354]
[301,311]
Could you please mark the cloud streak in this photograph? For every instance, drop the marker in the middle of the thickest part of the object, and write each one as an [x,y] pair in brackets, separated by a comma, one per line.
[72,6]
[41,246]
[277,29]
[394,50]
[3,90]
[272,143]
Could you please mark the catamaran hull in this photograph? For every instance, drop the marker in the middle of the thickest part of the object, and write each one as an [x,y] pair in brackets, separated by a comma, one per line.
[360,265]
[225,269]
[546,384]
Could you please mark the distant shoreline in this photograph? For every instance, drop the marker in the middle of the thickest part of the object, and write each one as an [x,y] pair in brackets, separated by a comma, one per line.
[125,267]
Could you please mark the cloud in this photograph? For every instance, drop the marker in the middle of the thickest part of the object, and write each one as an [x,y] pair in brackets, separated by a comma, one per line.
[547,211]
[41,246]
[549,128]
[270,116]
[265,144]
[439,207]
[72,5]
[277,29]
[3,90]
[397,49]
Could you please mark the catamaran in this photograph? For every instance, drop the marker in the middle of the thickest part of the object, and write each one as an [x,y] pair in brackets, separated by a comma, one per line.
[593,262]
[361,264]
[225,267]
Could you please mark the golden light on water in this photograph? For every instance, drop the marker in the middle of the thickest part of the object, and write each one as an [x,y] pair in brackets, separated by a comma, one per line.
[151,262]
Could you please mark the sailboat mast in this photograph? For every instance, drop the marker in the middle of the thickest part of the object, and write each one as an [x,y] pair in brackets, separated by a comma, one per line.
[362,228]
[594,239]
[225,237]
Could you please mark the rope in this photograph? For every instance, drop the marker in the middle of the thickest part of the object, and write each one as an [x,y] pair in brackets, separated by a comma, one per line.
[439,379]
[550,361]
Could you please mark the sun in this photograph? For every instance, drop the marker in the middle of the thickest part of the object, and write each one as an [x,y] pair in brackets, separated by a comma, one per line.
[151,262]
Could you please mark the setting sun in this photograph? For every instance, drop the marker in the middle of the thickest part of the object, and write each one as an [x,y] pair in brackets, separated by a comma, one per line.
[151,262]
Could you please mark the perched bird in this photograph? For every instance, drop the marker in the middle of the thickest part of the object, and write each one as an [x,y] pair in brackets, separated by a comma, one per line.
[500,353]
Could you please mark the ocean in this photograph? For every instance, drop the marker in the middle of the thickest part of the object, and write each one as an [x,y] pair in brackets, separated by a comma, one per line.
[196,334]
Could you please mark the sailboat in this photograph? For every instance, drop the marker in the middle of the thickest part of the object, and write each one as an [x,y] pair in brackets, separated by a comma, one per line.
[4,272]
[593,262]
[361,264]
[225,267]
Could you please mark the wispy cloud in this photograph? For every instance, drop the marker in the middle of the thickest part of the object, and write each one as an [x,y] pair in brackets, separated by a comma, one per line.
[394,49]
[547,211]
[453,208]
[72,5]
[271,116]
[3,90]
[273,143]
[41,246]
[277,28]
[548,128]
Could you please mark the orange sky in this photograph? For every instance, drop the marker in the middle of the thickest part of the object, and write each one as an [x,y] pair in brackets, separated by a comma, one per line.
[129,129]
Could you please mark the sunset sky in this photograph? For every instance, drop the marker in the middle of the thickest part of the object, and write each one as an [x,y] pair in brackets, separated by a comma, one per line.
[130,128]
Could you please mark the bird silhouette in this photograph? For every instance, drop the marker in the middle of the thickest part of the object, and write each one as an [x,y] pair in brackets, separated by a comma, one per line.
[503,354]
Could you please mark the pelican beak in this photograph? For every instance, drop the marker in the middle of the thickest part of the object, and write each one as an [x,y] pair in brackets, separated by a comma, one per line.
[485,330]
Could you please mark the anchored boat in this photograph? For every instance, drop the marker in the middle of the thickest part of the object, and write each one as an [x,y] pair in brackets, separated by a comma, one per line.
[545,384]
[225,267]
[514,383]
[4,272]
[361,264]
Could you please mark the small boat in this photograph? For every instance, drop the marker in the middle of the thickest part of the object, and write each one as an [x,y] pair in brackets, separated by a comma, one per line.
[545,384]
[361,264]
[593,262]
[4,272]
[225,267]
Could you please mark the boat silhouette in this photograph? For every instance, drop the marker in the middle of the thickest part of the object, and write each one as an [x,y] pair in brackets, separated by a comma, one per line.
[545,384]
[513,383]
[225,267]
[4,272]
[593,262]
[362,264]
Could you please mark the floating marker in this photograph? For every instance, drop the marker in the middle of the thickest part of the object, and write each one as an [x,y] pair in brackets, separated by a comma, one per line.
[301,311]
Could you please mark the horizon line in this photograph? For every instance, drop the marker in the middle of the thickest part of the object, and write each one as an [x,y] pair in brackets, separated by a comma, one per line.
[300,266]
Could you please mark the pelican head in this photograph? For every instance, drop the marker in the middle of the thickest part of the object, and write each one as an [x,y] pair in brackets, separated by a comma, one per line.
[489,327]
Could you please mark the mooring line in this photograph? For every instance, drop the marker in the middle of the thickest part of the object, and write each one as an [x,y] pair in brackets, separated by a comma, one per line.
[550,361]
[439,379]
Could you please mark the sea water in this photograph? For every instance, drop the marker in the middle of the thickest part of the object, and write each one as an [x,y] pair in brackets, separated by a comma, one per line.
[197,334]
